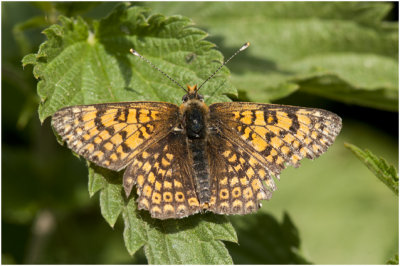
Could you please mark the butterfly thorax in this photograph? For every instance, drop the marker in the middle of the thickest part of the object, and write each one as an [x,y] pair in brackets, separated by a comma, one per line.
[194,114]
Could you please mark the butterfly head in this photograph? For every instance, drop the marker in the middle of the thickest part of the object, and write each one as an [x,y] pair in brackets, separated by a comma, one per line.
[192,94]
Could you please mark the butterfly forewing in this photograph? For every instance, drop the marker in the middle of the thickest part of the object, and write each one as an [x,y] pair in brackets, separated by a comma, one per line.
[112,134]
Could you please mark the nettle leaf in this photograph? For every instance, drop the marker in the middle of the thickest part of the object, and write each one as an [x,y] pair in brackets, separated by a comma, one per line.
[344,80]
[190,240]
[293,43]
[111,196]
[381,169]
[84,63]
[96,181]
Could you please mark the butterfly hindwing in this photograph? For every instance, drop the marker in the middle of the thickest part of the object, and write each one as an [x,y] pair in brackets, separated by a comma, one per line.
[112,134]
[163,175]
[237,178]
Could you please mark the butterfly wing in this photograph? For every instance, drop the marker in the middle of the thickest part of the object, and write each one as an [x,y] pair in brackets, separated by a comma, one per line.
[163,174]
[257,141]
[236,178]
[112,134]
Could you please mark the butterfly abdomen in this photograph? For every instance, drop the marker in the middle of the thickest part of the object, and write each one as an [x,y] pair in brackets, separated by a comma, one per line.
[194,120]
[201,169]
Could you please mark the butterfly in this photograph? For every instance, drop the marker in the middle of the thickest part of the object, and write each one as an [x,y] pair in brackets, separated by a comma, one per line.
[193,157]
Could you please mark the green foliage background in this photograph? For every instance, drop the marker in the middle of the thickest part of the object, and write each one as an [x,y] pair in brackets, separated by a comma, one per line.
[337,56]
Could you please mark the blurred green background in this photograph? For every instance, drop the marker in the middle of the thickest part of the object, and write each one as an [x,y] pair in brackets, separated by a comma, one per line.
[343,214]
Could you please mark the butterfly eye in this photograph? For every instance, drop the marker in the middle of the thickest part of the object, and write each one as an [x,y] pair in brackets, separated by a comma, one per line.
[185,98]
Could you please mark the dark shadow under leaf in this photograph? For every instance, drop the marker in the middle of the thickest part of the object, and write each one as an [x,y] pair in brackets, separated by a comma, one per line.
[264,240]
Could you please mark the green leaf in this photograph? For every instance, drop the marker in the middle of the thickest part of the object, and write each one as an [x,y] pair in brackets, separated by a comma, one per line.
[84,63]
[293,42]
[96,181]
[340,90]
[344,80]
[134,230]
[192,240]
[111,202]
[272,242]
[29,59]
[385,172]
[109,184]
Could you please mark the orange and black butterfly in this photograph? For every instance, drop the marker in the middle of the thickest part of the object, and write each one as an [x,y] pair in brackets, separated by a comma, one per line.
[193,157]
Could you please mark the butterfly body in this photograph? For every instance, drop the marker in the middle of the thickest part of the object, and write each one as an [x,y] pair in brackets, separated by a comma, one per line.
[194,119]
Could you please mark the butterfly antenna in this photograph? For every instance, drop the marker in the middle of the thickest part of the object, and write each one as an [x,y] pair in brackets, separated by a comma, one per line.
[247,44]
[162,72]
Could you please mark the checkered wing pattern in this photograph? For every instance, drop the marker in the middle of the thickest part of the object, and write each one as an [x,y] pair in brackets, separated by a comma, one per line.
[236,185]
[256,141]
[112,134]
[163,174]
